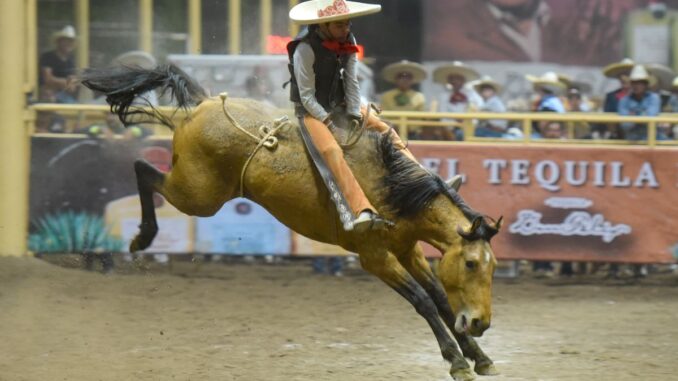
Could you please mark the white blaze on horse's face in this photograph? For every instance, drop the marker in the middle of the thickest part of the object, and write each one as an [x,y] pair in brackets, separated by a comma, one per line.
[466,274]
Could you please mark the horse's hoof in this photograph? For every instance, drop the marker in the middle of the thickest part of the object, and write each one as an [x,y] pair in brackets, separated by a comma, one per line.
[462,374]
[486,370]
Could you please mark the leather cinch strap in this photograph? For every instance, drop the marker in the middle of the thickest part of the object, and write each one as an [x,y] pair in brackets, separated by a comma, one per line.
[345,214]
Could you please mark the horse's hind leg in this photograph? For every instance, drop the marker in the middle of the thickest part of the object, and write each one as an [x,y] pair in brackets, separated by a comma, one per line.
[149,179]
[416,264]
[388,269]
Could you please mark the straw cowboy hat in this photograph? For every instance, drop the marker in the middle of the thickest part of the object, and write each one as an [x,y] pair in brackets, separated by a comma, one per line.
[583,87]
[390,72]
[322,11]
[66,32]
[548,81]
[674,84]
[663,74]
[441,73]
[618,68]
[138,58]
[486,80]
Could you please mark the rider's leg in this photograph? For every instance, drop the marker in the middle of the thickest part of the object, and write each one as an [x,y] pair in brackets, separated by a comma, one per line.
[375,123]
[327,145]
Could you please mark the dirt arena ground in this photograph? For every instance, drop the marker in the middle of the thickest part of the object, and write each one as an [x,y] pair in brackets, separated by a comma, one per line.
[217,321]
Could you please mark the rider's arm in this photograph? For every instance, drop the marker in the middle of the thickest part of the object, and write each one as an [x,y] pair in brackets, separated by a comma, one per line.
[305,76]
[351,87]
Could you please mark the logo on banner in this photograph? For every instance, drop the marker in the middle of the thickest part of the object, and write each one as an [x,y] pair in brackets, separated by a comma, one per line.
[577,223]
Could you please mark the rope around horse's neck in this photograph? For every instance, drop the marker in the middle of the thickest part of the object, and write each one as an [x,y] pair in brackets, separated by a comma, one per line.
[267,136]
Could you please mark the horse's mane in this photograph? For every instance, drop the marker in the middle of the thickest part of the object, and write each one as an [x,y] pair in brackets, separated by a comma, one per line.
[411,188]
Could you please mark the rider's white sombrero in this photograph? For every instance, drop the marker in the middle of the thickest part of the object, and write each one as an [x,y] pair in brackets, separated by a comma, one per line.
[674,84]
[322,11]
[66,32]
[441,73]
[618,68]
[548,81]
[486,81]
[418,72]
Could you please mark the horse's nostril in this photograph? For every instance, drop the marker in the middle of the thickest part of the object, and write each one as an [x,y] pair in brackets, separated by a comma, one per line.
[476,323]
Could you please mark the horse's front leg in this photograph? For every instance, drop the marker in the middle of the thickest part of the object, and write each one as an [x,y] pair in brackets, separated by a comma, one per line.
[416,264]
[387,268]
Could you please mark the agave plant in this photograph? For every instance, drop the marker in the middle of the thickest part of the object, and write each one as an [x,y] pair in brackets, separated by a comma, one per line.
[71,232]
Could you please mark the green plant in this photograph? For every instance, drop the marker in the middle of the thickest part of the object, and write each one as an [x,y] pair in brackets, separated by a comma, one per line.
[71,232]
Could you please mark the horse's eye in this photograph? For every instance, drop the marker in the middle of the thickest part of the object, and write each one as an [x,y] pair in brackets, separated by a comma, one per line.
[471,265]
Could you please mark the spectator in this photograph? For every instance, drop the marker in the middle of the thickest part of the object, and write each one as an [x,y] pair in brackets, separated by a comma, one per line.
[459,97]
[404,75]
[576,103]
[57,69]
[553,130]
[672,105]
[618,70]
[488,89]
[639,102]
[547,87]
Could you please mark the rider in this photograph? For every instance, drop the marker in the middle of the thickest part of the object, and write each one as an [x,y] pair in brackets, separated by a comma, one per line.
[324,81]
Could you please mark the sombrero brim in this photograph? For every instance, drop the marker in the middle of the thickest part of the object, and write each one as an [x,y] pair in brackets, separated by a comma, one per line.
[441,74]
[583,87]
[496,86]
[307,12]
[616,69]
[138,58]
[391,71]
[663,74]
[539,82]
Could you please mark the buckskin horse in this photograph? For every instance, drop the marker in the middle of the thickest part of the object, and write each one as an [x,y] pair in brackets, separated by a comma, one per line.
[227,148]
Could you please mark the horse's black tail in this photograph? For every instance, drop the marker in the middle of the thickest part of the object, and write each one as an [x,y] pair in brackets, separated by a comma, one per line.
[122,85]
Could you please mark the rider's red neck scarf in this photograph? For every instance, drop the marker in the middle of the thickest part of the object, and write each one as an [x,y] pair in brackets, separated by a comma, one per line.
[621,93]
[458,97]
[340,48]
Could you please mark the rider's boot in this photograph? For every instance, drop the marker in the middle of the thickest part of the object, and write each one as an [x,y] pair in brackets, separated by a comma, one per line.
[368,220]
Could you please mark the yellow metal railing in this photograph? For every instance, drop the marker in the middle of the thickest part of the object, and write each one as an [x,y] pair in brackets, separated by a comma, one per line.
[407,120]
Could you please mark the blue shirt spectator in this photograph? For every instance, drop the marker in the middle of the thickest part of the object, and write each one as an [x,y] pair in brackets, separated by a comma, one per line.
[648,105]
[550,103]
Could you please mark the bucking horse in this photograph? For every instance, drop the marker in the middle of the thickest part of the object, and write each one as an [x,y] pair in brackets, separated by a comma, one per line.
[226,148]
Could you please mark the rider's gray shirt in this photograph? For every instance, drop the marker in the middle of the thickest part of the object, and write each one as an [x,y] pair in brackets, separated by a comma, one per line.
[305,75]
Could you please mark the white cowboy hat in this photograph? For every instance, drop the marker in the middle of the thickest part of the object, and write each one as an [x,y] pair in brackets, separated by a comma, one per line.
[663,74]
[390,72]
[639,73]
[548,81]
[616,69]
[322,11]
[441,73]
[138,58]
[66,32]
[486,80]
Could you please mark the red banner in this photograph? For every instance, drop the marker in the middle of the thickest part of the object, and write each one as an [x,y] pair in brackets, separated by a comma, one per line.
[569,203]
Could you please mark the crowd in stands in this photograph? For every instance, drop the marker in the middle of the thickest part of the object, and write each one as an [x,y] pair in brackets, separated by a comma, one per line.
[643,91]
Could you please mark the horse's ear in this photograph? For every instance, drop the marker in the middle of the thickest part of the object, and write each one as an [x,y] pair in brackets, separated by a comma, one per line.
[455,182]
[470,232]
[500,221]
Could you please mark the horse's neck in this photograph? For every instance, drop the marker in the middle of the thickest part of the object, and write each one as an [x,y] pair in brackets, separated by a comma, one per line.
[437,224]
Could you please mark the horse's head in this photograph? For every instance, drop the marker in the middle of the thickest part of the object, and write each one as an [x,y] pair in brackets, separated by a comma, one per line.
[466,272]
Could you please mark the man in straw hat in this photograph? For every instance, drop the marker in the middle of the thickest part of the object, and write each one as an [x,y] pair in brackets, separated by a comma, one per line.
[57,69]
[459,98]
[548,87]
[404,75]
[324,84]
[488,90]
[639,102]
